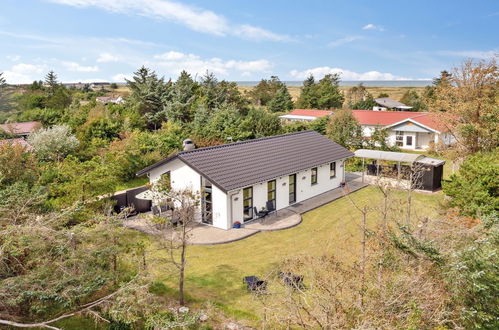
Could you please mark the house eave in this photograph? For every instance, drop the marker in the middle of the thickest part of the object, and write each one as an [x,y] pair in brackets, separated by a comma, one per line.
[414,122]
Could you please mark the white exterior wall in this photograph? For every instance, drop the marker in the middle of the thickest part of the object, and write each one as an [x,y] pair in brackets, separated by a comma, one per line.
[220,208]
[228,208]
[304,190]
[181,175]
[419,140]
[424,139]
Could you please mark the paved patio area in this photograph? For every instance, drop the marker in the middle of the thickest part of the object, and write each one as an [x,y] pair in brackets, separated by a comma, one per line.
[289,217]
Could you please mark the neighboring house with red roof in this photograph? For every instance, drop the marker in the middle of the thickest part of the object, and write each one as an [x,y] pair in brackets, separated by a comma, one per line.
[406,129]
[18,141]
[305,115]
[21,129]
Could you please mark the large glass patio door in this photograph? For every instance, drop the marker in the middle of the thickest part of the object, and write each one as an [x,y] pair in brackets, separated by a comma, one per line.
[248,203]
[207,202]
[292,188]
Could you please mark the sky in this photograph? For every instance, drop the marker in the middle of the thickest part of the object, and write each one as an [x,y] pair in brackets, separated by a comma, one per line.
[107,40]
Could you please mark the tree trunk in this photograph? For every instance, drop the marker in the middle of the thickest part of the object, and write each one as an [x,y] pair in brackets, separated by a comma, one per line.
[363,260]
[181,276]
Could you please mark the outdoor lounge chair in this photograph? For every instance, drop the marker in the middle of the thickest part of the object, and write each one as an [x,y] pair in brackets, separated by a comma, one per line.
[291,280]
[254,284]
[260,214]
[155,210]
[270,207]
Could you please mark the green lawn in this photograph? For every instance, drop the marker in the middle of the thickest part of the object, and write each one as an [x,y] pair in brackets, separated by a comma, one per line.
[215,273]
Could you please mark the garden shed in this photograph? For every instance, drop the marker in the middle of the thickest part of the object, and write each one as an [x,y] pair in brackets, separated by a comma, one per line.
[425,172]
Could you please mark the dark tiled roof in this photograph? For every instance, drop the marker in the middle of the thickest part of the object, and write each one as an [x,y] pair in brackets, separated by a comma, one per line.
[390,103]
[240,164]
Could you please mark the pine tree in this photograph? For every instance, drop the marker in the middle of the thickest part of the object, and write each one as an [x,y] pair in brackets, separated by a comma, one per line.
[329,93]
[281,101]
[3,82]
[209,84]
[51,81]
[149,95]
[184,94]
[3,92]
[308,98]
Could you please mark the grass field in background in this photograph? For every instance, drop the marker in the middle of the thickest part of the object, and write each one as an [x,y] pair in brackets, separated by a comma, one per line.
[394,92]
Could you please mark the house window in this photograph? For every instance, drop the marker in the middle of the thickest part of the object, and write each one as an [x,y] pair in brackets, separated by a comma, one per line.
[399,138]
[408,140]
[313,177]
[271,192]
[166,180]
[332,170]
[248,203]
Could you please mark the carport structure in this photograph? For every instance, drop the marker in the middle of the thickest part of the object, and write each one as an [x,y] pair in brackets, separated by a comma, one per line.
[431,169]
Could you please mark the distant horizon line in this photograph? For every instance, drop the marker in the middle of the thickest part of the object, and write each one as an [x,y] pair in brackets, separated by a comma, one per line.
[294,83]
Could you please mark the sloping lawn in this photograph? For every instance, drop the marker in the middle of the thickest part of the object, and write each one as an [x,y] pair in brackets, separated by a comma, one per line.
[215,273]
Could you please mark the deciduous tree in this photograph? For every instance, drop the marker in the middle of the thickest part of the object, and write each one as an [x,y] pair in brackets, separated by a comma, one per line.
[466,104]
[474,190]
[344,129]
[53,143]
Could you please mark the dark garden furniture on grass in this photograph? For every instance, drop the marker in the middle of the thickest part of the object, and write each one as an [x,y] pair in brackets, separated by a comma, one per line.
[292,280]
[254,284]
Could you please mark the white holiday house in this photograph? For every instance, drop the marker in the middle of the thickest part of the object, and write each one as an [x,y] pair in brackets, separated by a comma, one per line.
[239,179]
[406,129]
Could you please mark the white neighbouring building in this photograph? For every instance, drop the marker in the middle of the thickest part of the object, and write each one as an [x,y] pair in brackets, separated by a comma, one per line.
[305,115]
[235,179]
[406,129]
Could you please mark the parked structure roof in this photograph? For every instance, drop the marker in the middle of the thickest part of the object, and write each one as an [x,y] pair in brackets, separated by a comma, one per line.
[402,157]
[240,164]
[391,103]
[311,112]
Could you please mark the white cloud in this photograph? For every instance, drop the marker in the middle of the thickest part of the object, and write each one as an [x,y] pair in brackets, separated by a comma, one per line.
[174,62]
[107,57]
[76,67]
[195,18]
[479,54]
[345,40]
[257,33]
[120,77]
[320,72]
[28,68]
[13,58]
[23,73]
[373,27]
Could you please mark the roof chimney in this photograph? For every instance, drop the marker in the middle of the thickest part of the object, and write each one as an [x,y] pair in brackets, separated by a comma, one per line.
[188,145]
